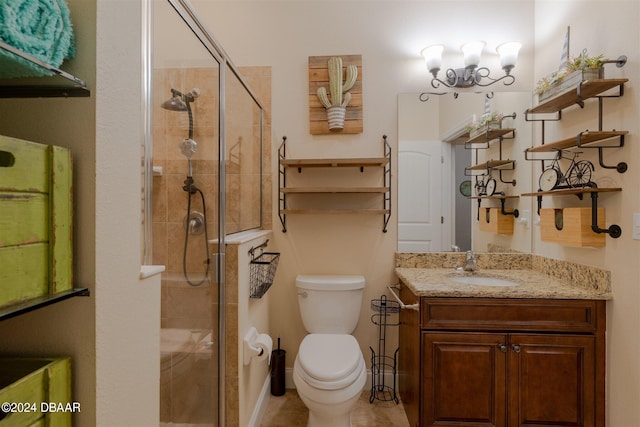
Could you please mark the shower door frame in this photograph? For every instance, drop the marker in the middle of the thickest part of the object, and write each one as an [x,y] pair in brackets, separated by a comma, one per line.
[187,13]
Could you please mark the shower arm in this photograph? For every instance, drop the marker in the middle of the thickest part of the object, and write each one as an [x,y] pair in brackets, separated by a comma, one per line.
[187,101]
[187,98]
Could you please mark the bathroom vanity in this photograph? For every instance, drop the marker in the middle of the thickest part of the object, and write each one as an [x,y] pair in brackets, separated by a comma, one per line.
[482,355]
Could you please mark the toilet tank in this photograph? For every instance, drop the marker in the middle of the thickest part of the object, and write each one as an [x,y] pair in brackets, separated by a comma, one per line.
[330,304]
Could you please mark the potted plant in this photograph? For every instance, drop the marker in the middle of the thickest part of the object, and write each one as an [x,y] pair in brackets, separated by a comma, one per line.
[583,67]
[487,122]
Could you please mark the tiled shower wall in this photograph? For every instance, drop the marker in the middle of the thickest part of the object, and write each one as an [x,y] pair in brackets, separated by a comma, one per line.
[184,306]
[195,308]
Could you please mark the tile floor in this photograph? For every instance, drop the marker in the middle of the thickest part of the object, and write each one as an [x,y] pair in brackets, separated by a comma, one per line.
[289,411]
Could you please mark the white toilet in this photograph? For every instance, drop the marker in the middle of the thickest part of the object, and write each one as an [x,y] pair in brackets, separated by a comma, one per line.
[329,371]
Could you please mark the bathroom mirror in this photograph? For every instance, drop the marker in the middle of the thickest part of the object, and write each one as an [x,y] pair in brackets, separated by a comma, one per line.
[438,169]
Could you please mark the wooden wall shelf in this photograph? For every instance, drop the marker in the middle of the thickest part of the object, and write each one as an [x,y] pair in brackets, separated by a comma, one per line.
[491,164]
[582,139]
[584,90]
[333,190]
[486,137]
[587,139]
[286,190]
[334,163]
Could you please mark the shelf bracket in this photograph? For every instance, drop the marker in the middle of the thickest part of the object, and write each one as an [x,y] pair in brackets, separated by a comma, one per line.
[512,182]
[539,199]
[514,212]
[614,230]
[386,201]
[282,182]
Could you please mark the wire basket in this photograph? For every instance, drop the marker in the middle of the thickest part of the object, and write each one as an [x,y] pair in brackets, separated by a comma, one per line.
[262,270]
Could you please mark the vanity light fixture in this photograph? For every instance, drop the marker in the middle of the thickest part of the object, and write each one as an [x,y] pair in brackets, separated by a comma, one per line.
[471,74]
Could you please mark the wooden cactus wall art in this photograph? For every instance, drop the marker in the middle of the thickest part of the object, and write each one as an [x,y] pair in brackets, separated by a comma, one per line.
[335,94]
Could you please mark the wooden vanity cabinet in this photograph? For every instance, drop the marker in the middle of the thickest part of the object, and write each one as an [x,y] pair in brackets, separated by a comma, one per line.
[502,362]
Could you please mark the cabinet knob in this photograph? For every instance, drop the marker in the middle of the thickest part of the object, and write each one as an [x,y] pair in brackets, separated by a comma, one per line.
[502,348]
[516,348]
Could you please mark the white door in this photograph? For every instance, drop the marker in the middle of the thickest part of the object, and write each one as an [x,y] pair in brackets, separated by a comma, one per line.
[420,196]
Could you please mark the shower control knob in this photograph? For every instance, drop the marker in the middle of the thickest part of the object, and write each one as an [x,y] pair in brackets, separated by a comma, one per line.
[194,223]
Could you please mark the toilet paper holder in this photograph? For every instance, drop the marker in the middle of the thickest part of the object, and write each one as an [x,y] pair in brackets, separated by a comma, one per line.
[255,345]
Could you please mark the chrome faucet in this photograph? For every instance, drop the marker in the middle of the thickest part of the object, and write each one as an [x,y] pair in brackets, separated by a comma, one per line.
[471,263]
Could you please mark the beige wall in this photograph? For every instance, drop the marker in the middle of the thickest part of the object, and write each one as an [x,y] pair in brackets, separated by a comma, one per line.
[608,27]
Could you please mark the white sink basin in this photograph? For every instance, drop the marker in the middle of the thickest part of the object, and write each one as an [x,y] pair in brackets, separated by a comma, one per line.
[483,281]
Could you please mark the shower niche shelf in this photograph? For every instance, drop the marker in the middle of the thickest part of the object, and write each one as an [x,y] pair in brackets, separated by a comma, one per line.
[41,87]
[286,190]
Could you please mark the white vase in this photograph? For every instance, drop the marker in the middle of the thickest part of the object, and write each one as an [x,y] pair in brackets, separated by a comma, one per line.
[336,115]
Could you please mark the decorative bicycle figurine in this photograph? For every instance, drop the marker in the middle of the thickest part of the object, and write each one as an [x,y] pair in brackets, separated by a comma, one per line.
[578,173]
[486,186]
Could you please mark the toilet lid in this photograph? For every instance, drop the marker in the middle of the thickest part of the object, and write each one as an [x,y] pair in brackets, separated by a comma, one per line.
[330,361]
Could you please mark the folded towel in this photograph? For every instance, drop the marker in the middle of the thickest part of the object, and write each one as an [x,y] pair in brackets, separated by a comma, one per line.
[41,28]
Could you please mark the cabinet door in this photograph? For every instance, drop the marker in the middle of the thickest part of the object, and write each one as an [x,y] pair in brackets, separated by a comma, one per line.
[464,379]
[552,380]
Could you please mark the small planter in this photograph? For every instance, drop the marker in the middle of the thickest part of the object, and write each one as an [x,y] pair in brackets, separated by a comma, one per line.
[484,129]
[336,115]
[572,80]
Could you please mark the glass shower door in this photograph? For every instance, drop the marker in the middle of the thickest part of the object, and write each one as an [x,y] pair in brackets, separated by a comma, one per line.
[186,203]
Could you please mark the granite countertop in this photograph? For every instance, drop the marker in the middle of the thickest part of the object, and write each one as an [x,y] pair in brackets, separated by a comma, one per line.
[436,282]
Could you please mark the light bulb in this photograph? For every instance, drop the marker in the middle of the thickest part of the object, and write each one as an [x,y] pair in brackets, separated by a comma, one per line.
[472,52]
[433,57]
[508,55]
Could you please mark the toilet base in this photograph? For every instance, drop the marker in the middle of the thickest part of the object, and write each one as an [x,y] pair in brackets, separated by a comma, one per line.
[322,419]
[332,410]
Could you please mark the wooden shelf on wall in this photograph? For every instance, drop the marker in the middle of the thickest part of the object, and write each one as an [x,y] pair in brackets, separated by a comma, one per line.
[492,164]
[286,190]
[334,190]
[488,136]
[571,191]
[586,89]
[335,163]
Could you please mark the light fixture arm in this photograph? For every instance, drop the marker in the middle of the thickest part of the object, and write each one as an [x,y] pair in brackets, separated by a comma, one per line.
[483,73]
[469,77]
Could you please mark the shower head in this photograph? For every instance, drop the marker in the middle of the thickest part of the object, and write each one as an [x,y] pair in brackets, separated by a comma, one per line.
[181,102]
[178,100]
[175,103]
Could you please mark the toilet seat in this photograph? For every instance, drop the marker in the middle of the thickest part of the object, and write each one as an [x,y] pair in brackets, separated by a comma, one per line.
[329,361]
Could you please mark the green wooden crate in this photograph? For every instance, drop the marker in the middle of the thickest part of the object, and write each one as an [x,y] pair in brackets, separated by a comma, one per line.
[35,384]
[35,220]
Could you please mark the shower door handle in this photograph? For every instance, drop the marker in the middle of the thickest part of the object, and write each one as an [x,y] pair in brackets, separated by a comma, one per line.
[218,260]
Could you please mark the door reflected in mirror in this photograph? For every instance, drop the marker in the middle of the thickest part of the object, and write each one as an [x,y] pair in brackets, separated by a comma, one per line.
[443,171]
